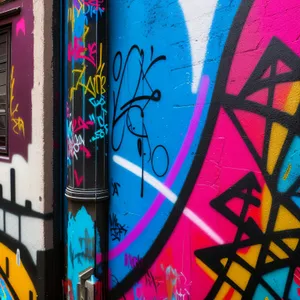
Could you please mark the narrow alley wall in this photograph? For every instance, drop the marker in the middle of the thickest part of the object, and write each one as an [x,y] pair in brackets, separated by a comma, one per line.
[25,193]
[204,149]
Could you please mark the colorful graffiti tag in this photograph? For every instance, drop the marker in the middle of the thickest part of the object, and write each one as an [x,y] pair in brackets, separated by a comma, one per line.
[86,129]
[209,195]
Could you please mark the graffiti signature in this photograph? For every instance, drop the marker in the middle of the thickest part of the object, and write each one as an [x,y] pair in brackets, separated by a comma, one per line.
[117,230]
[136,102]
[18,122]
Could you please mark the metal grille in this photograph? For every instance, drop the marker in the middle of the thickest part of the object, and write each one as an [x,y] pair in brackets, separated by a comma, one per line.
[4,87]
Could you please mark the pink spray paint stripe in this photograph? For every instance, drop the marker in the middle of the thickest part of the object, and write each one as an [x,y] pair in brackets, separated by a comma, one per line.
[145,220]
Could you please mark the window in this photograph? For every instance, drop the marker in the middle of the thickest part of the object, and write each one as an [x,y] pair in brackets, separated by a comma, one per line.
[4,1]
[4,87]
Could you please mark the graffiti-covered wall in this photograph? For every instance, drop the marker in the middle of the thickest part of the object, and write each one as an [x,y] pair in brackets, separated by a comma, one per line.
[25,192]
[204,149]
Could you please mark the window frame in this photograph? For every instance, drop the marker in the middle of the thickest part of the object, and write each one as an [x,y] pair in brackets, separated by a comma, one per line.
[5,1]
[6,29]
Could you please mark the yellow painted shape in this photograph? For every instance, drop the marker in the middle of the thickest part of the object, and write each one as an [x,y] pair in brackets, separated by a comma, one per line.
[277,139]
[236,296]
[291,242]
[293,99]
[239,275]
[286,220]
[278,251]
[224,261]
[206,269]
[18,276]
[71,18]
[251,256]
[266,207]
[269,259]
[223,291]
[287,172]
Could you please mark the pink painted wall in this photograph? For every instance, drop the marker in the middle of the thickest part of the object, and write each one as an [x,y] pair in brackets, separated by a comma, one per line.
[19,122]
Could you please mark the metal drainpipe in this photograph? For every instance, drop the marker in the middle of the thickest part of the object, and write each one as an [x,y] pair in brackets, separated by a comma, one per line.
[87,183]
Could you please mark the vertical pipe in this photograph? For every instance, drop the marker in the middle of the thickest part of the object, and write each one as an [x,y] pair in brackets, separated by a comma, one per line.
[87,105]
[86,118]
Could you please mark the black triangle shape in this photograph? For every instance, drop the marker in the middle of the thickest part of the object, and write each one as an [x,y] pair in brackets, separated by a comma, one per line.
[276,51]
[249,183]
[212,256]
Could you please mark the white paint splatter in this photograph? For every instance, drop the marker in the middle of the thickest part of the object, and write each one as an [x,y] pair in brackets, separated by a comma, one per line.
[18,257]
[198,29]
[136,170]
